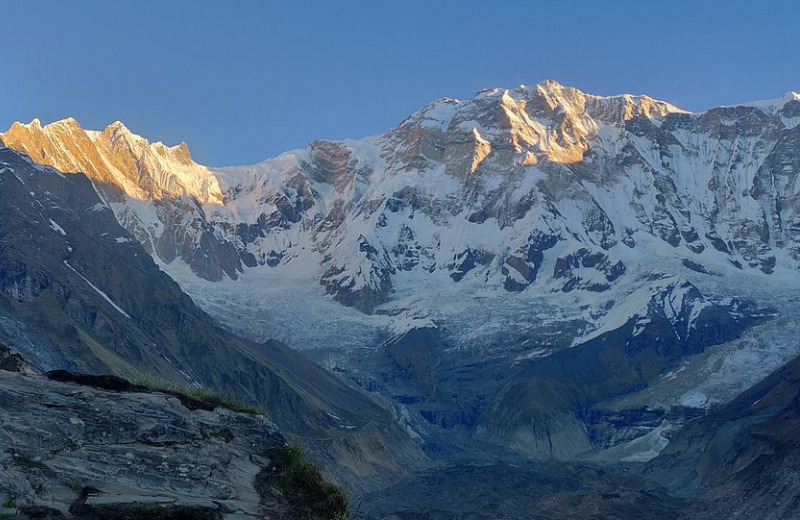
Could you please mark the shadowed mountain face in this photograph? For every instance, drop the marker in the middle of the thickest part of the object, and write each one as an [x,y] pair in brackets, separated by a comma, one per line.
[739,461]
[77,291]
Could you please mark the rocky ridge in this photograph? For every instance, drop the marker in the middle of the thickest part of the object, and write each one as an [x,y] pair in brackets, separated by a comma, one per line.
[127,171]
[107,449]
[744,457]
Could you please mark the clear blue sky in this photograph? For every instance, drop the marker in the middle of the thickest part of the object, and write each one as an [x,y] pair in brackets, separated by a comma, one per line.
[242,81]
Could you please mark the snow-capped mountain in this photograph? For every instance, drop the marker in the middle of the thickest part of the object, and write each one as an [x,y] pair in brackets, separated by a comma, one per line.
[115,156]
[510,228]
[149,186]
[481,188]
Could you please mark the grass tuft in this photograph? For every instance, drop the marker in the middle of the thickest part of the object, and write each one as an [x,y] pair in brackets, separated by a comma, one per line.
[304,487]
[204,395]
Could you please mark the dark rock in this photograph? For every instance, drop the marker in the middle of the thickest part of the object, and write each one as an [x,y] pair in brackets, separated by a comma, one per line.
[11,361]
[694,266]
[104,382]
[570,266]
[466,261]
[114,383]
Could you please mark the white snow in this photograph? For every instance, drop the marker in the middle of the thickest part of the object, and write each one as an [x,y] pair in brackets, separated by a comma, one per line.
[695,399]
[771,106]
[55,227]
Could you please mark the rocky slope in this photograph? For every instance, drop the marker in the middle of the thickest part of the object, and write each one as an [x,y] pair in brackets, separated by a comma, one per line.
[530,491]
[741,460]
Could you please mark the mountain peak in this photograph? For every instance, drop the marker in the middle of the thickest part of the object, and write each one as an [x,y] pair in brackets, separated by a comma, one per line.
[553,87]
[118,126]
[70,122]
[116,156]
[552,84]
[36,125]
[548,120]
[551,96]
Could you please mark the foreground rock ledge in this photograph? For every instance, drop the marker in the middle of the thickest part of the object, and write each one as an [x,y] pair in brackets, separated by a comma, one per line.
[77,451]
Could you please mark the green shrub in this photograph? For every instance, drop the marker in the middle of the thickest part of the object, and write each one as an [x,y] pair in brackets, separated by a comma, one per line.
[10,503]
[304,487]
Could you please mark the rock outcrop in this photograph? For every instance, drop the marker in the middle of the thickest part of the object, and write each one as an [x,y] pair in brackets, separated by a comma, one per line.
[83,450]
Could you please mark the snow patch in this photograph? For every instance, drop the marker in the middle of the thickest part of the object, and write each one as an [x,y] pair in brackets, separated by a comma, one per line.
[695,399]
[55,227]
